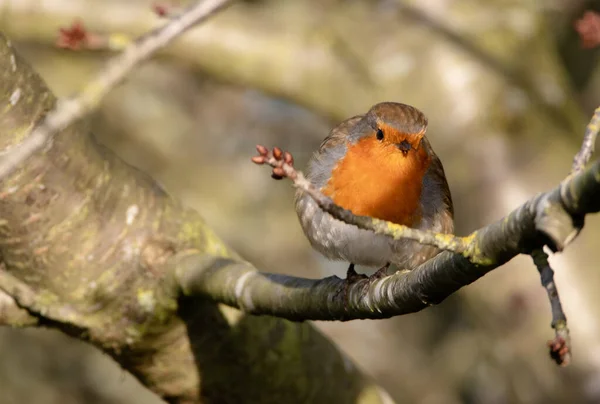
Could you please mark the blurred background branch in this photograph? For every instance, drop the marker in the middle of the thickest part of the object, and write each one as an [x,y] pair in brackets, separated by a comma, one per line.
[71,109]
[328,61]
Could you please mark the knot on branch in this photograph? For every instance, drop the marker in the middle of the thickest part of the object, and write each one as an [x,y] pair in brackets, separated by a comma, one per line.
[558,226]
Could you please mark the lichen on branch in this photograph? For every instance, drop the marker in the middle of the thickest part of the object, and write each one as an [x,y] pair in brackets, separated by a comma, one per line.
[239,284]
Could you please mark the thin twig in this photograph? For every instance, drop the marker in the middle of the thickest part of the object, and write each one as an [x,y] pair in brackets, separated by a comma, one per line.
[282,164]
[69,110]
[588,144]
[560,347]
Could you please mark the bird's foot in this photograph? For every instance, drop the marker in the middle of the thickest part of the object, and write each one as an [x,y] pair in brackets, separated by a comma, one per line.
[281,162]
[351,278]
[381,273]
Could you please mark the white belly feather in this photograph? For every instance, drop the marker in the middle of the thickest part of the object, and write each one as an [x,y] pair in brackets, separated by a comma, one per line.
[338,240]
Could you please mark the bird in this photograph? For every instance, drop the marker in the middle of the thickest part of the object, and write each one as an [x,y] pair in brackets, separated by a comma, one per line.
[382,165]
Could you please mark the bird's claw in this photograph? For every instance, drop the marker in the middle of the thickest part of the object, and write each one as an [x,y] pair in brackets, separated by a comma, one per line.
[352,276]
[381,273]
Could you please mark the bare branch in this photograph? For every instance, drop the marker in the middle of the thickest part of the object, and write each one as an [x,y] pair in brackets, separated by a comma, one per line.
[558,225]
[98,235]
[560,347]
[238,284]
[68,111]
[37,305]
[13,315]
[588,144]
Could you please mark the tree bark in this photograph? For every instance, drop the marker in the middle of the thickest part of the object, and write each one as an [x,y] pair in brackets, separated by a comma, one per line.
[85,241]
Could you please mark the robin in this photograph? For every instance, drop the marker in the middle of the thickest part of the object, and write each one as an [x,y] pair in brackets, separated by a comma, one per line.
[381,165]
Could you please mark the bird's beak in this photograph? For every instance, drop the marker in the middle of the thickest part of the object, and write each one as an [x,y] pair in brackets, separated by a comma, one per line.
[404,146]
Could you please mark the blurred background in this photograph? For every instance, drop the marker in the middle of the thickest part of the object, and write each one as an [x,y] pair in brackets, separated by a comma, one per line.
[508,87]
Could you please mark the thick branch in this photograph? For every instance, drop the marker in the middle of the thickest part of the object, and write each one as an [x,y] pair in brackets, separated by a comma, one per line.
[39,305]
[82,230]
[239,284]
[13,315]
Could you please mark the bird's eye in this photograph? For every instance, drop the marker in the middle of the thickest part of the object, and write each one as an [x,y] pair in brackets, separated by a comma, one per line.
[379,134]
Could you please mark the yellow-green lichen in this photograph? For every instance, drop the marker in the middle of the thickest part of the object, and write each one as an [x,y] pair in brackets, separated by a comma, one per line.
[474,254]
[470,239]
[373,394]
[46,299]
[146,300]
[189,231]
[193,230]
[214,246]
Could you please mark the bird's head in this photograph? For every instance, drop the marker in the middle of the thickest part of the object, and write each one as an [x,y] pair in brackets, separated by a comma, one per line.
[394,128]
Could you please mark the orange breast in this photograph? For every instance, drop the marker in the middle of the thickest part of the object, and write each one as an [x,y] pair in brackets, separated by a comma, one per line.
[374,179]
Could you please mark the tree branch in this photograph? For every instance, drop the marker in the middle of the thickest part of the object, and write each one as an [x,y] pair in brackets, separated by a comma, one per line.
[82,229]
[588,144]
[556,225]
[238,284]
[560,227]
[560,347]
[70,110]
[39,305]
[327,56]
[299,299]
[13,315]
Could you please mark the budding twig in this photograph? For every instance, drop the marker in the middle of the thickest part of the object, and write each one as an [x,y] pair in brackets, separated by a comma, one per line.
[166,9]
[560,346]
[77,37]
[588,28]
[283,166]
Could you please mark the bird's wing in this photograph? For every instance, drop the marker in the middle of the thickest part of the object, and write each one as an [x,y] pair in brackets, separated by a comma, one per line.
[331,150]
[338,134]
[437,169]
